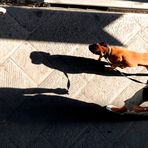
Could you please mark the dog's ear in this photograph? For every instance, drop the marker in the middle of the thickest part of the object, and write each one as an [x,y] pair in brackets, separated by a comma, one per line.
[103,44]
[99,47]
[98,44]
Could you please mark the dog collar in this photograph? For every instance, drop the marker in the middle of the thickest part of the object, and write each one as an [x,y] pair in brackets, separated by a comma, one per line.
[108,51]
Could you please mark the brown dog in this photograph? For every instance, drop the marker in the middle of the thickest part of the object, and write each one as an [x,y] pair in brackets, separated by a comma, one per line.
[119,57]
[123,58]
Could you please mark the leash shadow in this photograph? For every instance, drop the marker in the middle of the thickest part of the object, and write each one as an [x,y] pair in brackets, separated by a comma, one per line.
[135,74]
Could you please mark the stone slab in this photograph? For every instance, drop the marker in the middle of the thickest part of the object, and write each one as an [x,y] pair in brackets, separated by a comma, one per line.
[22,57]
[12,76]
[11,36]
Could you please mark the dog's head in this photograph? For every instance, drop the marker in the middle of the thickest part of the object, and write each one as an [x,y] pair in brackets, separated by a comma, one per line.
[98,48]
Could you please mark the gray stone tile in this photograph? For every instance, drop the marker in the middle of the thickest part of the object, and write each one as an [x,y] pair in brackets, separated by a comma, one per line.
[40,142]
[82,50]
[11,98]
[5,142]
[28,18]
[37,72]
[55,80]
[27,121]
[129,139]
[144,34]
[5,110]
[91,138]
[73,28]
[102,90]
[132,94]
[62,134]
[12,76]
[124,28]
[114,129]
[137,44]
[83,98]
[11,36]
[141,19]
[77,82]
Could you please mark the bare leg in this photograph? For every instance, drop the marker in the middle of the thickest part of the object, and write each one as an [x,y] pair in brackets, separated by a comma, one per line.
[140,109]
[116,108]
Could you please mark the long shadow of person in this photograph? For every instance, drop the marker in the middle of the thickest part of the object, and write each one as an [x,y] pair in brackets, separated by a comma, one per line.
[29,114]
[26,115]
[68,64]
[74,65]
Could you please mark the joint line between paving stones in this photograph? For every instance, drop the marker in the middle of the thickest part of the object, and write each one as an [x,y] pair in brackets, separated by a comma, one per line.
[101,133]
[23,71]
[11,53]
[116,96]
[35,140]
[142,37]
[79,135]
[76,94]
[12,142]
[138,33]
[132,36]
[42,134]
[138,22]
[125,131]
[46,78]
[47,67]
[49,141]
[30,32]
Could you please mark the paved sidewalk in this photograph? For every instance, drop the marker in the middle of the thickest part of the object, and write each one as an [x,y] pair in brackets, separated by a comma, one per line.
[53,91]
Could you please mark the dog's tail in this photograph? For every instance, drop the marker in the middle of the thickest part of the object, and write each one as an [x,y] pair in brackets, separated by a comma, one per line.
[146,67]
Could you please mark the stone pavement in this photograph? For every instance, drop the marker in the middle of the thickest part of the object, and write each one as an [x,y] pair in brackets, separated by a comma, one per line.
[53,92]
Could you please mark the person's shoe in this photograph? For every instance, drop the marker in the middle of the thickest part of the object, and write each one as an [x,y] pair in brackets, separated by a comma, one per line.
[116,109]
[2,11]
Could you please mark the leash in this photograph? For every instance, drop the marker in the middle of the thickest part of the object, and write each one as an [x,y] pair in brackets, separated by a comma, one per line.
[131,78]
[123,74]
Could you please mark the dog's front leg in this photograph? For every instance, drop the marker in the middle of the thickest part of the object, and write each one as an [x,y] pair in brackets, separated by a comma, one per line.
[113,66]
[100,57]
